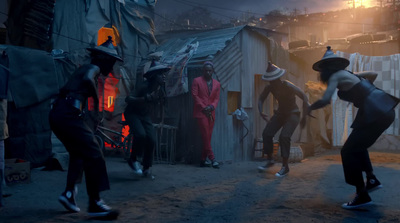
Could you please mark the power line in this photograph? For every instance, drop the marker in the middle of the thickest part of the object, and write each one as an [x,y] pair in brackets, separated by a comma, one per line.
[217,7]
[196,5]
[169,20]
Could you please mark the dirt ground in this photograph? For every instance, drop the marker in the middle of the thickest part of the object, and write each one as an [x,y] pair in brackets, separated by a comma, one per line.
[312,192]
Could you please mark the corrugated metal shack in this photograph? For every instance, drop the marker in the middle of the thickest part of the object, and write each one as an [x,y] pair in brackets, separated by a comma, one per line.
[239,55]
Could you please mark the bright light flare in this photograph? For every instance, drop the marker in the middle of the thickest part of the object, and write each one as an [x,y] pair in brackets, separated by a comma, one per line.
[369,3]
[364,3]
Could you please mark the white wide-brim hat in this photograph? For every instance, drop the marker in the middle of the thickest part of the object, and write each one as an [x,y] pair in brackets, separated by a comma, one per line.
[273,72]
[331,60]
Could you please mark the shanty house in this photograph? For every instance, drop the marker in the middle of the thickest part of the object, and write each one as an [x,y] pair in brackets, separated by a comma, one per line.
[240,56]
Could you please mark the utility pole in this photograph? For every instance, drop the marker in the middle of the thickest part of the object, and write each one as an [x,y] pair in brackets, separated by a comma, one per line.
[381,3]
[351,1]
[397,20]
[354,6]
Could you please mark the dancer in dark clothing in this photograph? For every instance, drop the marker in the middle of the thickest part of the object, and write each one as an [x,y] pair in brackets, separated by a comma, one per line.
[375,114]
[287,116]
[141,102]
[67,123]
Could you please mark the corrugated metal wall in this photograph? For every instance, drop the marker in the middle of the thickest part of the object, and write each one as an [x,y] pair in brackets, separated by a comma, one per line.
[256,51]
[244,56]
[228,130]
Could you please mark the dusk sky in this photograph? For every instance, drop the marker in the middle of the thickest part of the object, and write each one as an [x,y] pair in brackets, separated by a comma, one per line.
[226,9]
[235,8]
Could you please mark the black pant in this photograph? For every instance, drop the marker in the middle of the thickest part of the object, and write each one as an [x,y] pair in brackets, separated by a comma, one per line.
[84,150]
[355,156]
[288,123]
[144,138]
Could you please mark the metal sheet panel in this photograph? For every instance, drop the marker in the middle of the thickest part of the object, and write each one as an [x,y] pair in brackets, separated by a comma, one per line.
[237,57]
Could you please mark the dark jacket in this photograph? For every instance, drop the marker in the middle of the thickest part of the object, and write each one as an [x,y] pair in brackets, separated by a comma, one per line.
[371,102]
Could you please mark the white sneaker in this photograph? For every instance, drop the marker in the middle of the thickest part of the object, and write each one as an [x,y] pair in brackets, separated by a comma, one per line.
[67,199]
[101,210]
[215,164]
[269,163]
[283,172]
[135,166]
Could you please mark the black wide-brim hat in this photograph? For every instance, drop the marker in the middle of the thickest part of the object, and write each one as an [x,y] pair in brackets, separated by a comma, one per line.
[156,68]
[331,60]
[106,48]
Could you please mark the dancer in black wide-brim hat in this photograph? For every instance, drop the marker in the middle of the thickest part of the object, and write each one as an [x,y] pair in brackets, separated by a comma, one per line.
[375,114]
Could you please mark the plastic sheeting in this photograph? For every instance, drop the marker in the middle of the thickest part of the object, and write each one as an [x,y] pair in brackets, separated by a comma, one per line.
[177,78]
[77,22]
[34,82]
[135,24]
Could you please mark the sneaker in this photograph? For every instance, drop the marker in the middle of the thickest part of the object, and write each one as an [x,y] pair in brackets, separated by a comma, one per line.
[205,163]
[135,166]
[99,209]
[269,163]
[283,172]
[360,200]
[215,164]
[373,184]
[147,174]
[67,199]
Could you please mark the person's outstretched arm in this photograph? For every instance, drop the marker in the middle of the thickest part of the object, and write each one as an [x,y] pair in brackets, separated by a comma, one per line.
[90,81]
[326,98]
[133,97]
[369,75]
[299,93]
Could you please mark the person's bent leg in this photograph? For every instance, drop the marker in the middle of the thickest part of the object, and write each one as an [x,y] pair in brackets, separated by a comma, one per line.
[290,124]
[97,180]
[378,127]
[87,148]
[353,175]
[149,146]
[268,134]
[74,176]
[354,155]
[138,143]
[64,129]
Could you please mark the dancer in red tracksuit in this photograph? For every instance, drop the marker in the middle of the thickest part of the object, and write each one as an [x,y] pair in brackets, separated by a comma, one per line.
[205,92]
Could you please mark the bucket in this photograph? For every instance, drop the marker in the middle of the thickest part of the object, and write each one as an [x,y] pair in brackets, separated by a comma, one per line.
[296,154]
[259,148]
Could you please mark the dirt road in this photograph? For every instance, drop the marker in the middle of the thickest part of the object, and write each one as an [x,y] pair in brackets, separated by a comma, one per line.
[312,192]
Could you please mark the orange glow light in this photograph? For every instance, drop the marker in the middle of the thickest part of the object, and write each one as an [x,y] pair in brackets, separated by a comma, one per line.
[103,33]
